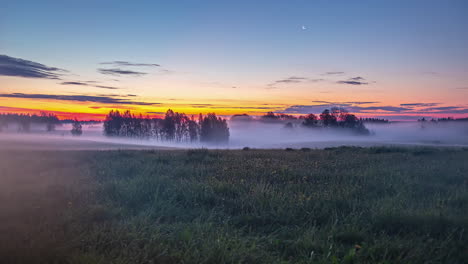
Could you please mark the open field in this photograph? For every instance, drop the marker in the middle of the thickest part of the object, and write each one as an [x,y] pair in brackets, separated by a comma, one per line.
[339,205]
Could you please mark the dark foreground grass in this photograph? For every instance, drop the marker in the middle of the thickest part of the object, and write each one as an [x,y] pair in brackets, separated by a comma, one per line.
[339,205]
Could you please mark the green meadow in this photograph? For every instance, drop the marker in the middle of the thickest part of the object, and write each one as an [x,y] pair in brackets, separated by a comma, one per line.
[338,205]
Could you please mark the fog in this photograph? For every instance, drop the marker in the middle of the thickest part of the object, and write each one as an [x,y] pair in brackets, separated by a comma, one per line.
[257,134]
[253,134]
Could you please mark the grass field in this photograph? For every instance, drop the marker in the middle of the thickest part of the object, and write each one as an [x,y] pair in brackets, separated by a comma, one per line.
[339,205]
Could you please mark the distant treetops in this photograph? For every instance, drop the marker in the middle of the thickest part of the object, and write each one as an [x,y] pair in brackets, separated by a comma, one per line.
[77,129]
[23,121]
[175,127]
[329,118]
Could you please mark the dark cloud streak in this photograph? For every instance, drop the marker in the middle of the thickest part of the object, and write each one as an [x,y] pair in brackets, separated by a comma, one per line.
[88,84]
[77,98]
[119,72]
[334,73]
[294,79]
[419,104]
[126,63]
[10,66]
[355,107]
[352,82]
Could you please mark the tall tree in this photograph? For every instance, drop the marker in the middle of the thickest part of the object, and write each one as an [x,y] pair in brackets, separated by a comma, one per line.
[327,118]
[113,123]
[169,125]
[310,120]
[77,129]
[214,129]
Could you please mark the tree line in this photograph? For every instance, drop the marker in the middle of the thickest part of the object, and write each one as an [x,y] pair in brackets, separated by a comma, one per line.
[174,127]
[374,120]
[330,118]
[336,118]
[445,119]
[24,121]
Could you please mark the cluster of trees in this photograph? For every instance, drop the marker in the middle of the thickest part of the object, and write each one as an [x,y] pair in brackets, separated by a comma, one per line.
[77,128]
[374,120]
[337,118]
[83,122]
[272,117]
[334,118]
[174,126]
[24,121]
[445,119]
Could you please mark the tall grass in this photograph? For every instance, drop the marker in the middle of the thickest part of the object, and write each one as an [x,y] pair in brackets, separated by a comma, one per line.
[340,205]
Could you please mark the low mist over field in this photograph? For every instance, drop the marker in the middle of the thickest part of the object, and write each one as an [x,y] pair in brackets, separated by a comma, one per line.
[263,135]
[253,134]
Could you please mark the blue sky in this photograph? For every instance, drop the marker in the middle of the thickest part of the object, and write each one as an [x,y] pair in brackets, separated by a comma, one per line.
[399,47]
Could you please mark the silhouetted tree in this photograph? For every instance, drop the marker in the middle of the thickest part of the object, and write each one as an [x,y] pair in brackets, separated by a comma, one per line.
[214,129]
[174,127]
[242,117]
[374,120]
[193,130]
[50,120]
[77,129]
[350,121]
[272,117]
[286,117]
[310,120]
[327,118]
[269,117]
[169,125]
[113,123]
[289,125]
[339,113]
[24,121]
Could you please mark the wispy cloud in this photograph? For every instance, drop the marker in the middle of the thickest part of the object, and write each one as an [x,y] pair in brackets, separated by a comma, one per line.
[231,107]
[333,73]
[430,73]
[361,103]
[292,80]
[119,72]
[201,105]
[10,66]
[88,83]
[396,109]
[106,87]
[419,104]
[442,108]
[246,107]
[74,83]
[126,63]
[357,107]
[445,110]
[346,103]
[70,115]
[354,81]
[358,78]
[78,98]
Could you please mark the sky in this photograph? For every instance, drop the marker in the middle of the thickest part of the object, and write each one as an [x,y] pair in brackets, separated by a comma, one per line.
[392,59]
